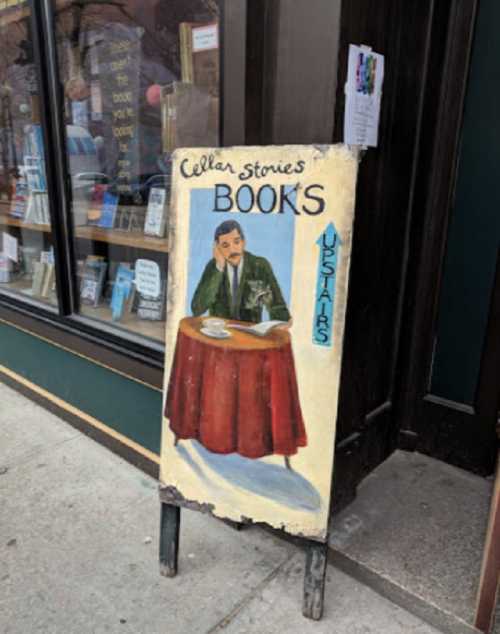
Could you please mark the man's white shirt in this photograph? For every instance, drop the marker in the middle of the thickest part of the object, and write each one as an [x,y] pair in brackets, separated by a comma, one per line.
[230,272]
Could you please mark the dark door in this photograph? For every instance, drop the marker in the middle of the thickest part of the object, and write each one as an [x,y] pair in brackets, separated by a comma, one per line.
[452,378]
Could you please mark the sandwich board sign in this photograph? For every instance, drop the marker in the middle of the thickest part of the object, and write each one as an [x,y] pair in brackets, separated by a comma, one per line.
[260,244]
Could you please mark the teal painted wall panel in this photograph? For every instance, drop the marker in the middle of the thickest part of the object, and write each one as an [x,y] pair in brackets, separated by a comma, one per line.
[128,407]
[474,234]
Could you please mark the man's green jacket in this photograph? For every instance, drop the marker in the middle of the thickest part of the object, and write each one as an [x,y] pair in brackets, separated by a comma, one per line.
[213,294]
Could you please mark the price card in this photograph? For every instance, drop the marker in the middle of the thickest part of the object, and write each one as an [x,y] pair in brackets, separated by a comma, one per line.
[205,38]
[147,278]
[10,245]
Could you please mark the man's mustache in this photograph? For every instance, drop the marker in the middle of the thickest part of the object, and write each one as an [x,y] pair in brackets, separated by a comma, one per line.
[234,255]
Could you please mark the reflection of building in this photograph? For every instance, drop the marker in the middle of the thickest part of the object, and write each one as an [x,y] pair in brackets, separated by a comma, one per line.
[419,356]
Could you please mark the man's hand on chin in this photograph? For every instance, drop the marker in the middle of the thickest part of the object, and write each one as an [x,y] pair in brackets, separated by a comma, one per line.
[220,260]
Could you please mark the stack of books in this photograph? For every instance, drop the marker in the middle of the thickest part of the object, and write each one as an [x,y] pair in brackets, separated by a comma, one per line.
[37,209]
[44,277]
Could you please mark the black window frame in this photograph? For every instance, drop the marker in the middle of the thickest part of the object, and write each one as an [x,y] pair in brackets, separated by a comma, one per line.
[120,350]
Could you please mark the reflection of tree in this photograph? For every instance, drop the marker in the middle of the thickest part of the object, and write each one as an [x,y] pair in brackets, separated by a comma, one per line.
[15,63]
[77,17]
[12,39]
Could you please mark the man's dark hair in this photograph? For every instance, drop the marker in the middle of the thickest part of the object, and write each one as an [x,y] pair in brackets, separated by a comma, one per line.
[226,227]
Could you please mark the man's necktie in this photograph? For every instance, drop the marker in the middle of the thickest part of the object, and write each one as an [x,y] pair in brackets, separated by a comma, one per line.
[234,289]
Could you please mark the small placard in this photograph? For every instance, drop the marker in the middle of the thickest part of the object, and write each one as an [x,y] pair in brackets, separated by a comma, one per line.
[10,250]
[205,38]
[363,96]
[96,101]
[147,278]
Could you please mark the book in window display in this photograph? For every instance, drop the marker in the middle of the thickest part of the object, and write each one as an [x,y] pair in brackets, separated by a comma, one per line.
[108,211]
[19,200]
[37,210]
[92,280]
[33,174]
[49,280]
[156,213]
[130,219]
[123,290]
[47,256]
[29,255]
[34,157]
[151,308]
[42,272]
[5,270]
[39,271]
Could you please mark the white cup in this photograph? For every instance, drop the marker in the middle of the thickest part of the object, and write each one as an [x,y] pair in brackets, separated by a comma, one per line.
[214,324]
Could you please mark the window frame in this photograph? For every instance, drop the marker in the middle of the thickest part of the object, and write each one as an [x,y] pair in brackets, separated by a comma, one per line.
[121,351]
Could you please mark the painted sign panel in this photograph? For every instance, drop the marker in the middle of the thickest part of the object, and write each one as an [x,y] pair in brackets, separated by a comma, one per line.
[260,244]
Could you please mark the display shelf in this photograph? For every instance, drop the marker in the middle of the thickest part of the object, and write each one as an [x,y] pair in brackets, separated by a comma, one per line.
[6,220]
[23,286]
[123,238]
[111,236]
[129,321]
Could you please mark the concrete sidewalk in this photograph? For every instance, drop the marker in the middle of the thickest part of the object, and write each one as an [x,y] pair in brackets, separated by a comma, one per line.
[79,552]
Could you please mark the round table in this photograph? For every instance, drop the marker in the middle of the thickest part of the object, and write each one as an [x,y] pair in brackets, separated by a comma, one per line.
[235,395]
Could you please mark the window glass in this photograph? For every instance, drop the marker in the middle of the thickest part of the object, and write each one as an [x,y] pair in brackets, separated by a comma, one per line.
[26,250]
[139,78]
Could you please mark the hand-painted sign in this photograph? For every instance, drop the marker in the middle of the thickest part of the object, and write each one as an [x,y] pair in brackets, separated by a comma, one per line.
[254,331]
[329,243]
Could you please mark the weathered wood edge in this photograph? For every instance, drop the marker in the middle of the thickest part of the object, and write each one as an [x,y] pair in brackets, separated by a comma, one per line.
[171,495]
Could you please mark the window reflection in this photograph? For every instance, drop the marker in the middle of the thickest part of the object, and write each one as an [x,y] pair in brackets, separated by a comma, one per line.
[140,78]
[26,252]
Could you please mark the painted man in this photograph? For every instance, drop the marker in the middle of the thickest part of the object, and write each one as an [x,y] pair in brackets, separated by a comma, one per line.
[237,284]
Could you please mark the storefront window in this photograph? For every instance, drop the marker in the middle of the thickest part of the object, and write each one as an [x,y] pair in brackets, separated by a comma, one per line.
[26,255]
[140,78]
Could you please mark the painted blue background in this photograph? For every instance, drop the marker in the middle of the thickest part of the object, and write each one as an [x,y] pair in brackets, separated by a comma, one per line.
[268,235]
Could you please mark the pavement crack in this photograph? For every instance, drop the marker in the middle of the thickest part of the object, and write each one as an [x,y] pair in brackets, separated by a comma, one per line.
[26,458]
[247,599]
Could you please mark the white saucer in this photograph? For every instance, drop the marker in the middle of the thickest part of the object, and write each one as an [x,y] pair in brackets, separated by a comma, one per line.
[221,334]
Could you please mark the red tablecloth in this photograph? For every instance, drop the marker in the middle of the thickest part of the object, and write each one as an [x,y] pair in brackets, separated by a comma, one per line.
[235,395]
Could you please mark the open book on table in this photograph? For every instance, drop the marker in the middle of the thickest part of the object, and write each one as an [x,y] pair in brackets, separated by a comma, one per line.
[262,329]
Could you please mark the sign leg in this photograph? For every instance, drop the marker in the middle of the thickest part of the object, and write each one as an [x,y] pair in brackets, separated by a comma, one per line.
[169,539]
[314,580]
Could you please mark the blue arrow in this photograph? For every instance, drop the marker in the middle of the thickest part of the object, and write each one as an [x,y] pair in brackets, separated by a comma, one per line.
[329,244]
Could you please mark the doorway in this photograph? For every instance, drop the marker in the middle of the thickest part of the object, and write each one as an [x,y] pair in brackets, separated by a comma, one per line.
[451,383]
